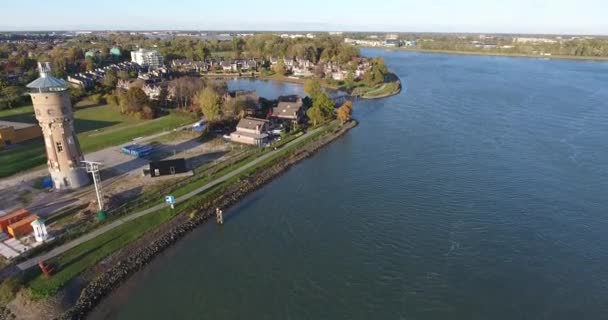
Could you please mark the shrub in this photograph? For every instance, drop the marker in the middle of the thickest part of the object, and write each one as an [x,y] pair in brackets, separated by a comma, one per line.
[8,290]
[96,98]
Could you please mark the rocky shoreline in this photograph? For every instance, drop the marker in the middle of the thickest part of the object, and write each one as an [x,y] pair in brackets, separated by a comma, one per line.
[110,279]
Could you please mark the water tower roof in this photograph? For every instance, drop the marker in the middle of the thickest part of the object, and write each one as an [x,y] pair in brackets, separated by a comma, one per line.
[47,82]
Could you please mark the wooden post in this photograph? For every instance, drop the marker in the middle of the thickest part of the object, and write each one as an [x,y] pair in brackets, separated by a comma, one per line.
[219,215]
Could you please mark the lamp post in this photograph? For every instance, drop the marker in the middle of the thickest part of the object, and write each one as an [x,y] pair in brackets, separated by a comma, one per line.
[93,168]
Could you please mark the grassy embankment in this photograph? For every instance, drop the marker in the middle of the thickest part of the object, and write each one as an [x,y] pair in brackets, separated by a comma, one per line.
[498,54]
[75,261]
[98,127]
[390,87]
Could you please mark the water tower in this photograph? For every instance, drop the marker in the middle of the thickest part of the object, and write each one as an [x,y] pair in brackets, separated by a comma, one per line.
[53,108]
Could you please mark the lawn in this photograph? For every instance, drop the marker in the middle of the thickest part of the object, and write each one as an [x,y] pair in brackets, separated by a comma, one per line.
[98,127]
[21,114]
[75,261]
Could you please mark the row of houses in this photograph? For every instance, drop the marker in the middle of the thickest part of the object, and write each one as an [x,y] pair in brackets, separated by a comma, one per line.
[388,43]
[87,80]
[225,65]
[152,88]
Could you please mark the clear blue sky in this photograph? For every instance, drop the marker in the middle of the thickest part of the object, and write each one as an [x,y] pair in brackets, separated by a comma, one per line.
[516,16]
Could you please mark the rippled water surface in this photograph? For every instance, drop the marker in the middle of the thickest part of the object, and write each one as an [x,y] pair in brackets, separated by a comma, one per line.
[480,192]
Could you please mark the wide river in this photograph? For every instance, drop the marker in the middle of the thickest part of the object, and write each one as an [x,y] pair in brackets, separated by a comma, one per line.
[479,192]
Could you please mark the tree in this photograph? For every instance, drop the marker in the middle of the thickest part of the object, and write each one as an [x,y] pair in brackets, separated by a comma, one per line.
[377,74]
[322,109]
[133,101]
[209,101]
[112,99]
[312,87]
[279,68]
[315,115]
[111,79]
[123,75]
[325,105]
[12,95]
[345,112]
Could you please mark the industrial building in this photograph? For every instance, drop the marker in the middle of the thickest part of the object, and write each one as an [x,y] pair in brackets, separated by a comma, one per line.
[17,132]
[53,109]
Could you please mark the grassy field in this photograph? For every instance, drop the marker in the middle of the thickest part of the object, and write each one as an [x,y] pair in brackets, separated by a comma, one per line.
[98,127]
[77,260]
[383,90]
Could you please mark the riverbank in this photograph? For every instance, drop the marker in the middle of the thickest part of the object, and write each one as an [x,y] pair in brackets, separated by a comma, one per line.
[136,255]
[496,54]
[389,88]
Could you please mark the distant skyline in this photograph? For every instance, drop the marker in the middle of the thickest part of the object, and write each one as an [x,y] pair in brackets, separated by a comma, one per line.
[476,16]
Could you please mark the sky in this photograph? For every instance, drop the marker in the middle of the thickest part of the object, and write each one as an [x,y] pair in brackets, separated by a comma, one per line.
[478,16]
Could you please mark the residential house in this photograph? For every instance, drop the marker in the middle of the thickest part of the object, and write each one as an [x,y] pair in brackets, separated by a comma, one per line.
[289,108]
[152,91]
[226,66]
[81,80]
[251,131]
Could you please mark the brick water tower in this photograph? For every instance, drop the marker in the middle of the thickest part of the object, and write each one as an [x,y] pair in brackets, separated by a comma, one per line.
[53,108]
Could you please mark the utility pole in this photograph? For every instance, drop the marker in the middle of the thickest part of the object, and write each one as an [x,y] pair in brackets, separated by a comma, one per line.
[93,168]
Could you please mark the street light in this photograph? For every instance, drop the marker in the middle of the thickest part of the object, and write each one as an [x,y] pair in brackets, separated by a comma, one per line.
[93,168]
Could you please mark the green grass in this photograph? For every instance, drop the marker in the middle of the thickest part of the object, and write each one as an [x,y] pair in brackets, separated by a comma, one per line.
[20,114]
[95,141]
[98,127]
[75,261]
[26,156]
[382,90]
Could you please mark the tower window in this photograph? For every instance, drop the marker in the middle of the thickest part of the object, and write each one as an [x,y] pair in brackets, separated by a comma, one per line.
[59,147]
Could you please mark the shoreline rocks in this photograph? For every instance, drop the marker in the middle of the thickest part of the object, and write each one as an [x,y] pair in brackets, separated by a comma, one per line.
[113,277]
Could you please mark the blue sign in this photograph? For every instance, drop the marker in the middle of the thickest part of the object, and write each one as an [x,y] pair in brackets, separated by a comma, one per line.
[170,199]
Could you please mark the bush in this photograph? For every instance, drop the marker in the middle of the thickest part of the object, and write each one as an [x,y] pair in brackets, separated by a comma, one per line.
[96,99]
[112,100]
[8,290]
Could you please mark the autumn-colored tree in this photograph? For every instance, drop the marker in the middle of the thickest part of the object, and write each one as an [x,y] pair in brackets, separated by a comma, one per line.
[209,101]
[345,112]
[279,68]
[110,79]
[133,101]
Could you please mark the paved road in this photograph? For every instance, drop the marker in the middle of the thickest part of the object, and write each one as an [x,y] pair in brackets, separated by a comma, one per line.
[65,247]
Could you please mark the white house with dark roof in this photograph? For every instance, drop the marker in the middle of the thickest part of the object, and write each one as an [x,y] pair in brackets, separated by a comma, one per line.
[251,131]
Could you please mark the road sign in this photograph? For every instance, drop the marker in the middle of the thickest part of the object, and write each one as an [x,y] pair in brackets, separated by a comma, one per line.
[170,200]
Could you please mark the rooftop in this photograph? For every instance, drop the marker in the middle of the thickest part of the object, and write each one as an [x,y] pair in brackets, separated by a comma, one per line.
[47,82]
[251,123]
[16,125]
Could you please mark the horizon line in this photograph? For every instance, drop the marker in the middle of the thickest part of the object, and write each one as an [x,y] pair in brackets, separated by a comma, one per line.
[303,30]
